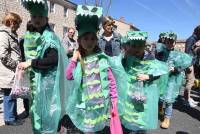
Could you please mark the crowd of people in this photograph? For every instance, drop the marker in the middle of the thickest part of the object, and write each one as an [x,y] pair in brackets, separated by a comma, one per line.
[96,81]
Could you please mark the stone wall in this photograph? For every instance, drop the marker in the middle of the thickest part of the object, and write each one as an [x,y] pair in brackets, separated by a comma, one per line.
[57,18]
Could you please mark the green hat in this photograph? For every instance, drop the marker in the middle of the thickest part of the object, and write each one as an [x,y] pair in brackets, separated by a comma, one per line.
[134,38]
[88,19]
[36,7]
[169,35]
[161,35]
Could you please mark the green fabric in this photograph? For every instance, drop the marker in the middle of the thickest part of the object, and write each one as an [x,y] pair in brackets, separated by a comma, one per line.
[142,114]
[49,89]
[31,42]
[36,7]
[82,116]
[119,74]
[134,38]
[160,47]
[92,118]
[174,84]
[88,19]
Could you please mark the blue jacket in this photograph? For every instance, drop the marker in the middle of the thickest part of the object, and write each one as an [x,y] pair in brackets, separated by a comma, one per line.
[189,46]
[115,43]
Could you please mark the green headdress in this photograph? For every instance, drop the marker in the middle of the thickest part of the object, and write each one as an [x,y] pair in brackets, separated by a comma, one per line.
[161,35]
[168,35]
[134,37]
[36,7]
[88,19]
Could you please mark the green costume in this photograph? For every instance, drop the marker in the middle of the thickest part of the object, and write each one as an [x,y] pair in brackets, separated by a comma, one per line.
[176,59]
[49,87]
[141,104]
[90,101]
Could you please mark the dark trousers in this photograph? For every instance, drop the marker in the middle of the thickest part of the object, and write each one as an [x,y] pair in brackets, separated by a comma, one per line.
[26,105]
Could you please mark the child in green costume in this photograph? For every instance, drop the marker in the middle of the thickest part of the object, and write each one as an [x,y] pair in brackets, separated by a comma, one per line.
[177,61]
[143,74]
[47,61]
[93,99]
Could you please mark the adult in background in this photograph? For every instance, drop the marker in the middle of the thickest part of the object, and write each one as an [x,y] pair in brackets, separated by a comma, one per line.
[9,57]
[69,43]
[189,46]
[110,41]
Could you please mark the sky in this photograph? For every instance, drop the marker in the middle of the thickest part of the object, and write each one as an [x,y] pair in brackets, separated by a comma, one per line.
[155,16]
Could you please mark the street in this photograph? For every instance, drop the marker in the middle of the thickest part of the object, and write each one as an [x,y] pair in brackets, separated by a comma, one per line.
[185,120]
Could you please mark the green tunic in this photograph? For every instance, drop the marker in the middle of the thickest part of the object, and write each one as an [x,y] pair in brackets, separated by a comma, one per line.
[49,87]
[141,104]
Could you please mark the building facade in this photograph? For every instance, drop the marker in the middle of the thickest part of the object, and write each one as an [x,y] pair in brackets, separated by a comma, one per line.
[180,45]
[122,27]
[61,14]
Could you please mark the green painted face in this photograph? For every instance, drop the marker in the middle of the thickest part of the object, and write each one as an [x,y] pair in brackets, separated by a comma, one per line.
[135,38]
[36,7]
[88,19]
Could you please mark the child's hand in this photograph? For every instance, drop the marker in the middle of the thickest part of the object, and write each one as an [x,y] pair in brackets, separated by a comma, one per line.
[76,55]
[24,65]
[143,77]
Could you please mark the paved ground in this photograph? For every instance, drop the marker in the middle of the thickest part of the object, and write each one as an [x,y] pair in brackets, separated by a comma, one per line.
[185,120]
[20,108]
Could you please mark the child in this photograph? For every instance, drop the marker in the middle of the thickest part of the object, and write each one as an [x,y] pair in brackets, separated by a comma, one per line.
[142,93]
[47,63]
[94,92]
[177,62]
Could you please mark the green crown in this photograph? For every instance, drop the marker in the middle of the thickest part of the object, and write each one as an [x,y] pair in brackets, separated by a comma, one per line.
[168,35]
[88,19]
[36,6]
[134,37]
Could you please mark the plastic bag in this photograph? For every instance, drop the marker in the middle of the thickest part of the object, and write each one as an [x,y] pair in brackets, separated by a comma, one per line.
[21,87]
[138,96]
[180,60]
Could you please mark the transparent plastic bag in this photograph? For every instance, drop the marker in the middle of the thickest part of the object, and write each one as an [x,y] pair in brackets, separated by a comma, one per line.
[138,95]
[21,87]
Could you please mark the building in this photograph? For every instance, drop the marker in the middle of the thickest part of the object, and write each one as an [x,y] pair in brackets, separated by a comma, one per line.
[180,45]
[122,27]
[61,14]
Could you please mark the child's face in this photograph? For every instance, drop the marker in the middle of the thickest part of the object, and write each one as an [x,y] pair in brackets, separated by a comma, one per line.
[169,43]
[134,50]
[39,21]
[88,41]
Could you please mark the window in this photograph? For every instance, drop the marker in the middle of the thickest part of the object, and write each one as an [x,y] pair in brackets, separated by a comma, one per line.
[65,29]
[65,12]
[52,7]
[52,26]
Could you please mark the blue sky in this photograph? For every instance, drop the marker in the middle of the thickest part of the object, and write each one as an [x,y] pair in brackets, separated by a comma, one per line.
[155,16]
